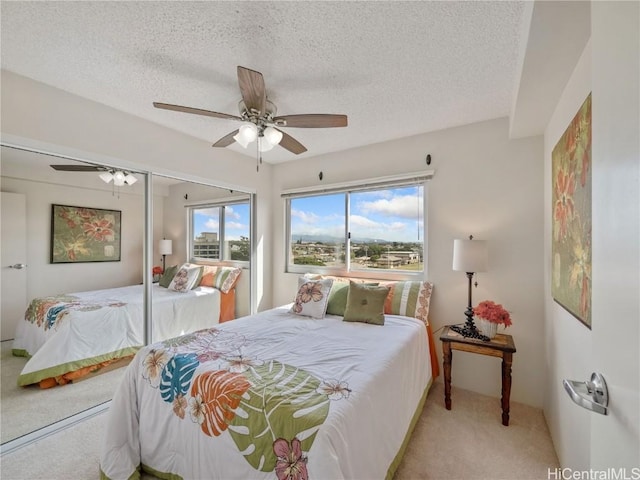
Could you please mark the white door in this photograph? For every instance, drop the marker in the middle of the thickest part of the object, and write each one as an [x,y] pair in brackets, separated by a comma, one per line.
[615,438]
[13,257]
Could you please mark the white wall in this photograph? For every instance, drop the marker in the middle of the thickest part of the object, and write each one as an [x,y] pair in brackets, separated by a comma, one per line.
[70,123]
[44,278]
[568,341]
[485,185]
[610,69]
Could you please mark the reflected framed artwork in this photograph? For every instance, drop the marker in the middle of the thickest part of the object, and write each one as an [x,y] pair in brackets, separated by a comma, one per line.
[80,234]
[571,217]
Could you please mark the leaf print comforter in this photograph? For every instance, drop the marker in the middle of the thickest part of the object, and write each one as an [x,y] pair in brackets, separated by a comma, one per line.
[270,396]
[61,334]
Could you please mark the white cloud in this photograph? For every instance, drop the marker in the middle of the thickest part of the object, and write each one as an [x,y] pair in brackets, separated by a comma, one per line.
[230,213]
[364,222]
[236,226]
[212,225]
[305,217]
[406,206]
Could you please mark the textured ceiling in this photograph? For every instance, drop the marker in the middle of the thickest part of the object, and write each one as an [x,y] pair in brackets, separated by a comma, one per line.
[395,68]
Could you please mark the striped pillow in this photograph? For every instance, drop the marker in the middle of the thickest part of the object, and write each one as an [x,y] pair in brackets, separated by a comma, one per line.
[226,277]
[410,299]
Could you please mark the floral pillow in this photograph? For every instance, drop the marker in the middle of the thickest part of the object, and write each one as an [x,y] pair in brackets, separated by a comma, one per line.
[312,297]
[185,278]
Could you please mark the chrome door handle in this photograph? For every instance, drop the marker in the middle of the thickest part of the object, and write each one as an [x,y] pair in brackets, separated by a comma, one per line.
[592,395]
[18,266]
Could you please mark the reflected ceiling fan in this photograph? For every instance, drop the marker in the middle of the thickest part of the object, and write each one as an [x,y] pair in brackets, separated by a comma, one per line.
[119,176]
[260,122]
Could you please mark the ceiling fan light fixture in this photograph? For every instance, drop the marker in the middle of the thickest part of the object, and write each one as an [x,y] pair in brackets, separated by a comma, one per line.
[118,178]
[272,135]
[106,177]
[247,133]
[264,145]
[130,179]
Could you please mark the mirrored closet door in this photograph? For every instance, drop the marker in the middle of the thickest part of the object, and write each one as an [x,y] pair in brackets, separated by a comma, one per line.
[82,232]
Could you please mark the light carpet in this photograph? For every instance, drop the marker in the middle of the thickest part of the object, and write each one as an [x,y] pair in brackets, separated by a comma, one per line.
[466,443]
[25,409]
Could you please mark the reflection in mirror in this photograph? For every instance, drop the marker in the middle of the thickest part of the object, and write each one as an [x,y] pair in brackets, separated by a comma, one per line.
[97,246]
[204,232]
[73,233]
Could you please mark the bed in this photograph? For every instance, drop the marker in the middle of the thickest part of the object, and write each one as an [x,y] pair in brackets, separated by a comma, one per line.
[275,395]
[69,336]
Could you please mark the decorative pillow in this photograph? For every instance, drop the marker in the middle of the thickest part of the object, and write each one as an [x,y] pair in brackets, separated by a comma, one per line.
[338,297]
[167,276]
[226,278]
[312,297]
[365,303]
[200,273]
[185,278]
[411,299]
[208,275]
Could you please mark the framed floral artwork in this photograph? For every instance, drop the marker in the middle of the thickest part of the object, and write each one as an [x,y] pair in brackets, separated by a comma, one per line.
[80,234]
[571,217]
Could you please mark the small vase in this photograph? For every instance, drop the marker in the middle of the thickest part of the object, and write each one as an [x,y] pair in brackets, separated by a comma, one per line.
[487,328]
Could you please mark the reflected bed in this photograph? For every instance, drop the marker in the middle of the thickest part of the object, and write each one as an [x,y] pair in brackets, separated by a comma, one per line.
[68,336]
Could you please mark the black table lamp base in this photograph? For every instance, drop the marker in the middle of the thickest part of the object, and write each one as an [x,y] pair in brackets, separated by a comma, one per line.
[469,329]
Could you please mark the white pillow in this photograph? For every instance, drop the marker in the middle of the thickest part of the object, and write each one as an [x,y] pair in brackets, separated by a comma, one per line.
[312,297]
[185,278]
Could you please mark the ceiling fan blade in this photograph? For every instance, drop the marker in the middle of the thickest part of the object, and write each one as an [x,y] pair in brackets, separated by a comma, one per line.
[226,140]
[291,144]
[252,89]
[197,111]
[78,168]
[312,120]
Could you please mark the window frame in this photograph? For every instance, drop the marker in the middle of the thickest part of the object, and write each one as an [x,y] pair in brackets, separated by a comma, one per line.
[220,204]
[409,180]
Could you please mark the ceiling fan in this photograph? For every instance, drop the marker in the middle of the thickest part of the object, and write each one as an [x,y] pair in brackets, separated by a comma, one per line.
[261,123]
[119,176]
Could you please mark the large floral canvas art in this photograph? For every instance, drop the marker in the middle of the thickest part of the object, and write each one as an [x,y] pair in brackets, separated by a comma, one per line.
[571,217]
[84,234]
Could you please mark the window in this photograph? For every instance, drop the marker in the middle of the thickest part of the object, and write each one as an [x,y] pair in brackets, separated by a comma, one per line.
[220,232]
[381,227]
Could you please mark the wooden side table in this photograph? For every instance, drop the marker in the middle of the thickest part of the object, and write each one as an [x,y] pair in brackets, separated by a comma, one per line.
[501,346]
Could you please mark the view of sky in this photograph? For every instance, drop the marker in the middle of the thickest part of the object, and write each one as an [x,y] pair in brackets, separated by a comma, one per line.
[391,214]
[236,216]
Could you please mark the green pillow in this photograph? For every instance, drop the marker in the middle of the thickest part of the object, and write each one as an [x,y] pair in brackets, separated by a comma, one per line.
[338,298]
[365,303]
[167,276]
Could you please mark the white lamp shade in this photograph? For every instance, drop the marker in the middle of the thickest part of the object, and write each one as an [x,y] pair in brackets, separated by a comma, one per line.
[272,135]
[106,176]
[130,179]
[165,247]
[247,133]
[264,145]
[118,178]
[470,255]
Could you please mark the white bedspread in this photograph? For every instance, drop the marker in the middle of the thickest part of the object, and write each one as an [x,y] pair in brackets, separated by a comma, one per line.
[268,394]
[108,324]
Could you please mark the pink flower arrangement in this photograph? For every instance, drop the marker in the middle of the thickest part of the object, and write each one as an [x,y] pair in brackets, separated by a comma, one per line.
[492,312]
